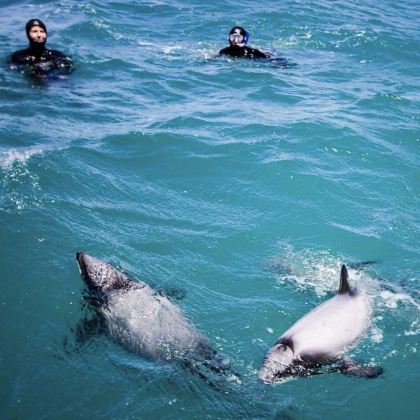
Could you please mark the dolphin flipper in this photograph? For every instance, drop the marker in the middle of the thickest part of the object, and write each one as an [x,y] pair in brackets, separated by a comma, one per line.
[88,328]
[210,366]
[221,378]
[172,292]
[82,333]
[353,368]
[346,366]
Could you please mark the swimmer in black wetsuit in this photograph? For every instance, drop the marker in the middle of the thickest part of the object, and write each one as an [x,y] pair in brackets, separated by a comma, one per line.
[238,38]
[37,57]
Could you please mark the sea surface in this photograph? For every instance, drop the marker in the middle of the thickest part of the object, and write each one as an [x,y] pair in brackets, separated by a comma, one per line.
[244,185]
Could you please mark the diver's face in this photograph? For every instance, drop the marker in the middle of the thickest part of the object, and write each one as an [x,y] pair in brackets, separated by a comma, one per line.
[236,38]
[37,34]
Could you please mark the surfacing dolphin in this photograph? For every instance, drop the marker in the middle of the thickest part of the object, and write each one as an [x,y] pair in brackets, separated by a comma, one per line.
[321,337]
[144,321]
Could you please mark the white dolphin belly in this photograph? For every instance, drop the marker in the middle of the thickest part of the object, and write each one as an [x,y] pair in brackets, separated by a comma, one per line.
[321,336]
[331,327]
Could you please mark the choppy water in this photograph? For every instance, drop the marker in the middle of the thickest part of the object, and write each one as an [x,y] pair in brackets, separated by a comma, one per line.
[244,184]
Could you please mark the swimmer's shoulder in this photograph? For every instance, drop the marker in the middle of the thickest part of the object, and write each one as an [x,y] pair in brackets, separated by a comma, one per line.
[20,57]
[225,51]
[55,54]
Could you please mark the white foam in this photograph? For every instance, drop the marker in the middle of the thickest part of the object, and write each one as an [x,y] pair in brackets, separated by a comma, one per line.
[9,157]
[414,329]
[376,334]
[392,299]
[318,271]
[169,49]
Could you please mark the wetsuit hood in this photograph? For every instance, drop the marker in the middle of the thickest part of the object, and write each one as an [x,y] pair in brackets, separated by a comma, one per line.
[36,46]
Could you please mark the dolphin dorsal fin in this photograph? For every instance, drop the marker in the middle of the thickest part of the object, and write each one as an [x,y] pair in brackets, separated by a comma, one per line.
[344,282]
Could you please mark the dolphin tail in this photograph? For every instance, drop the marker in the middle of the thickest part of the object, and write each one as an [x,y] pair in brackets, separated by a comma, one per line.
[362,264]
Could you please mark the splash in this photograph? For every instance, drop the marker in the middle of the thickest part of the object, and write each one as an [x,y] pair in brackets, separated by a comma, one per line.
[19,187]
[9,157]
[319,271]
[394,299]
[307,269]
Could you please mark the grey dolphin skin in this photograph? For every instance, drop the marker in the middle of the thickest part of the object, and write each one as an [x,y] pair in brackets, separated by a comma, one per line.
[145,322]
[321,337]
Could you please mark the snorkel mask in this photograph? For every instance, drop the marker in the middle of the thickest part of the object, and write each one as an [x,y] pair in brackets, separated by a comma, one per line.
[238,37]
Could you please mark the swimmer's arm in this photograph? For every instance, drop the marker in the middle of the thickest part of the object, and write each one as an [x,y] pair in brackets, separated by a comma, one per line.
[65,63]
[277,61]
[18,58]
[62,61]
[260,54]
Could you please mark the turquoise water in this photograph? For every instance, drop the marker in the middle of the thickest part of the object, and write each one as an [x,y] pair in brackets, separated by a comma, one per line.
[243,184]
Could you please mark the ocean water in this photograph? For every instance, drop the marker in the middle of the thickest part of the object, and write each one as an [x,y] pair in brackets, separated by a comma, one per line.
[241,183]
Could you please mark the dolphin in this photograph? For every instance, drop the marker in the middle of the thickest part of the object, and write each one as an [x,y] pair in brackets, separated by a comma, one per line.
[321,337]
[143,321]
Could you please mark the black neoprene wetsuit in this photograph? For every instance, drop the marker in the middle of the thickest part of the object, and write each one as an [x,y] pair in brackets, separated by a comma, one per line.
[247,52]
[42,60]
